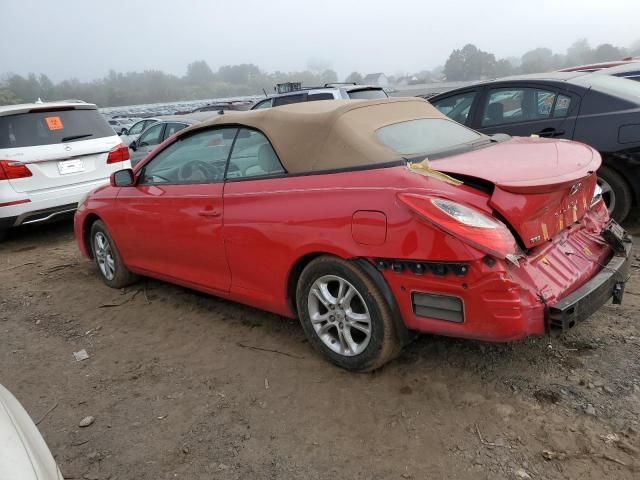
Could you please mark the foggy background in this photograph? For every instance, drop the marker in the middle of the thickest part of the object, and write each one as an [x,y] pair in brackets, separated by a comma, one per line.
[84,40]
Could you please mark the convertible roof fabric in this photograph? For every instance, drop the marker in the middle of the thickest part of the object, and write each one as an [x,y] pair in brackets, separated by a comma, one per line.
[327,134]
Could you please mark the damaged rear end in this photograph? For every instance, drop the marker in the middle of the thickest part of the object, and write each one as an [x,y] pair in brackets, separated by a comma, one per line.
[552,256]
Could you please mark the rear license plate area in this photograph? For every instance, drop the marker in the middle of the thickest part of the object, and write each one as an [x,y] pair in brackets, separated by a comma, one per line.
[67,167]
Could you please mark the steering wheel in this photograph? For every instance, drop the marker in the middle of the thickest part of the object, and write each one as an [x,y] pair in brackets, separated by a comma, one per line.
[206,171]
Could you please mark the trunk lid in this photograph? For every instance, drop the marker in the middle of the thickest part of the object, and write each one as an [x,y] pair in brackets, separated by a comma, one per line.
[541,186]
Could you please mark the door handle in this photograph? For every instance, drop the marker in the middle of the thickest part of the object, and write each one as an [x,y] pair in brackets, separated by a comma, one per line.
[210,213]
[550,132]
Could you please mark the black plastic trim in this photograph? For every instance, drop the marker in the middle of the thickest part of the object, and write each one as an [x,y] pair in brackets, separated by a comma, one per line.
[404,334]
[7,222]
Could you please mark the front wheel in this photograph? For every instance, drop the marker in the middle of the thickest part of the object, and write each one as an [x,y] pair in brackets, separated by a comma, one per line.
[107,258]
[345,316]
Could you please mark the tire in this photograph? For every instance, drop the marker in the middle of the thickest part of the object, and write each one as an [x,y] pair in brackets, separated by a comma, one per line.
[113,272]
[356,332]
[616,193]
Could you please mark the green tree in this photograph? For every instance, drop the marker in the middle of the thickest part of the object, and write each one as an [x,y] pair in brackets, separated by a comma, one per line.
[199,73]
[503,68]
[354,77]
[537,60]
[578,53]
[328,76]
[470,63]
[607,52]
[238,74]
[7,97]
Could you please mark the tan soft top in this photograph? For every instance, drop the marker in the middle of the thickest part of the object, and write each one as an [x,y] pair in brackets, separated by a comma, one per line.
[328,134]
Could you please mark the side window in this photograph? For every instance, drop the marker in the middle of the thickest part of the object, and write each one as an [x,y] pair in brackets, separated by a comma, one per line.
[512,105]
[286,100]
[264,104]
[172,128]
[319,96]
[456,107]
[563,104]
[197,158]
[151,137]
[253,156]
[137,128]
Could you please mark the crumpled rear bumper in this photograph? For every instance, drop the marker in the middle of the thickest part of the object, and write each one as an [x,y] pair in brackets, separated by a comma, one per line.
[555,286]
[586,300]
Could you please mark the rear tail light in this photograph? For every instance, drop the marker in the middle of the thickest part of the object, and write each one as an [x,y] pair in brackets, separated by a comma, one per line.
[10,170]
[467,224]
[119,153]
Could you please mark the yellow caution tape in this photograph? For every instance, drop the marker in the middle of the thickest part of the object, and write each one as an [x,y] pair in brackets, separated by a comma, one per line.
[423,168]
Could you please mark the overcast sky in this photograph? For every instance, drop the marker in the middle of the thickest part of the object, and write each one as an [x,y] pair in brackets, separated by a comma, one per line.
[87,38]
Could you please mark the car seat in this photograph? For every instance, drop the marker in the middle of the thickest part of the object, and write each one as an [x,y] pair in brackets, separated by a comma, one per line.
[495,113]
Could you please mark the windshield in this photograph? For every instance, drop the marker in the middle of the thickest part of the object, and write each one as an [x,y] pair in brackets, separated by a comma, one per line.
[52,126]
[367,94]
[427,136]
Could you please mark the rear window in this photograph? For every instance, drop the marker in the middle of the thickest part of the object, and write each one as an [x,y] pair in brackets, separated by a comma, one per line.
[50,127]
[367,94]
[289,99]
[618,87]
[426,136]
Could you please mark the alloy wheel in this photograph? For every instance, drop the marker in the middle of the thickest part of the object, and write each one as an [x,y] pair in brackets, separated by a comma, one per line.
[339,315]
[104,255]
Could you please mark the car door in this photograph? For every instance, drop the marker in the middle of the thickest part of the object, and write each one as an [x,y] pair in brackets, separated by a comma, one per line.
[150,139]
[172,217]
[252,195]
[526,109]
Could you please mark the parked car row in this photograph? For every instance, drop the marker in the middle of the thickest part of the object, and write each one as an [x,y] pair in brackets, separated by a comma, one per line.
[163,128]
[369,220]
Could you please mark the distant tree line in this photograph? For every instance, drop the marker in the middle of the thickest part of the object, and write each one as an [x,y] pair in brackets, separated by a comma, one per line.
[200,81]
[471,63]
[154,86]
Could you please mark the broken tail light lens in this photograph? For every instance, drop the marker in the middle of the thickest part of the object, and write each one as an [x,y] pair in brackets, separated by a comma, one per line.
[119,153]
[465,223]
[10,170]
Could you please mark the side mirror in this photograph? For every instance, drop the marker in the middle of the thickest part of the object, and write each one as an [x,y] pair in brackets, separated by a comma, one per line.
[133,145]
[124,131]
[123,178]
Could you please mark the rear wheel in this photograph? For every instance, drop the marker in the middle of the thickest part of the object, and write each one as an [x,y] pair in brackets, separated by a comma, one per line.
[345,316]
[107,258]
[616,193]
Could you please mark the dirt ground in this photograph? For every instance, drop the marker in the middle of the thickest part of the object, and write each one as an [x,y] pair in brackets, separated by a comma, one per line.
[184,385]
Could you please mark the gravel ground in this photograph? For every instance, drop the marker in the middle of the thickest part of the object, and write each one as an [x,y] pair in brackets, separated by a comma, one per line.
[183,385]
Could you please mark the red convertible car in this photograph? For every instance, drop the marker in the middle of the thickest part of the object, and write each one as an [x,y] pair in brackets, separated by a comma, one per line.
[368,220]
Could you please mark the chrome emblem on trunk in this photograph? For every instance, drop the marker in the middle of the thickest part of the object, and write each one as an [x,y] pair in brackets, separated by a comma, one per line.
[67,148]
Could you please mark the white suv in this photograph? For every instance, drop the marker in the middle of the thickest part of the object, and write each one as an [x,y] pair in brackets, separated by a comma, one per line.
[51,155]
[294,92]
